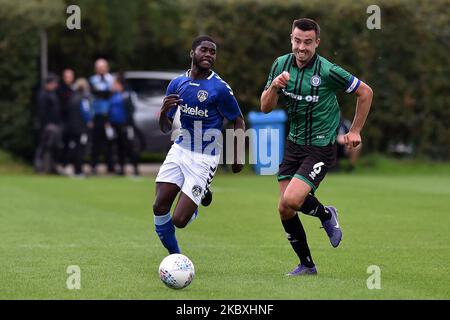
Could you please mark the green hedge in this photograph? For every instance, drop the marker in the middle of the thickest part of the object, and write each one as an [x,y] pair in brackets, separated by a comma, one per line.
[20,23]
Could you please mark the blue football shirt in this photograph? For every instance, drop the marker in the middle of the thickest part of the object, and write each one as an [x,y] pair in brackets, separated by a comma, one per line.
[205,104]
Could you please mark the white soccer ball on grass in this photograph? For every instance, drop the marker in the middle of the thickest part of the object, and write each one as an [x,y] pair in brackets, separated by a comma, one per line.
[176,271]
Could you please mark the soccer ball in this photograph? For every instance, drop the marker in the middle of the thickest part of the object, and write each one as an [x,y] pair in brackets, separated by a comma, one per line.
[176,271]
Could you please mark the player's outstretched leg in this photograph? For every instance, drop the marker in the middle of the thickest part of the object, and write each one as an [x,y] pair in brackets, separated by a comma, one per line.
[297,237]
[164,227]
[291,193]
[166,232]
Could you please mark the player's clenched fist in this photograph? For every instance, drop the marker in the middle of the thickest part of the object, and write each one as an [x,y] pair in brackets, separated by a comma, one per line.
[172,100]
[352,139]
[281,81]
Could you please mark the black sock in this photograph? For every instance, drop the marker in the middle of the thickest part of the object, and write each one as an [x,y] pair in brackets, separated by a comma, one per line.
[313,207]
[297,238]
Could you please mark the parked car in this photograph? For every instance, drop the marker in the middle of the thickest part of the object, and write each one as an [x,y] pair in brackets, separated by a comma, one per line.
[148,89]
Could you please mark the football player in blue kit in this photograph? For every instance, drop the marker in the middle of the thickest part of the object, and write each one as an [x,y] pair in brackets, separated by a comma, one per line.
[204,100]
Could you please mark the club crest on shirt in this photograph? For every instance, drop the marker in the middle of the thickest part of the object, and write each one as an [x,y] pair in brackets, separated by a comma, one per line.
[196,190]
[202,95]
[315,80]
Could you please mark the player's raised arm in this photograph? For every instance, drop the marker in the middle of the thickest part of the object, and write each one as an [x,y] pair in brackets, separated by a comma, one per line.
[169,102]
[238,162]
[364,101]
[269,97]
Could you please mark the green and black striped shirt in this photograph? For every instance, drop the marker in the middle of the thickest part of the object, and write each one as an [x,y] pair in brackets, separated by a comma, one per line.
[313,110]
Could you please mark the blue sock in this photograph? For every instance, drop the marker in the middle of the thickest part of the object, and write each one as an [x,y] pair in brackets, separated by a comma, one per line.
[166,232]
[194,216]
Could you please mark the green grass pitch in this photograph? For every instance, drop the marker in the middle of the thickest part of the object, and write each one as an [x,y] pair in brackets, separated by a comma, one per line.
[400,223]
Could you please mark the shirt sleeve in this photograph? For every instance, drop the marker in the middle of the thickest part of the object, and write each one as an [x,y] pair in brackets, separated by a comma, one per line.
[272,74]
[228,105]
[343,80]
[172,89]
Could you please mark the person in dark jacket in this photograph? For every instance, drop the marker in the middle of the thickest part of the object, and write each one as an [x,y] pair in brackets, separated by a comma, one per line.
[50,127]
[79,119]
[65,92]
[120,117]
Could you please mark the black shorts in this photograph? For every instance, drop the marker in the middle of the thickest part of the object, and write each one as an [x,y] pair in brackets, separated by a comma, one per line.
[341,151]
[308,163]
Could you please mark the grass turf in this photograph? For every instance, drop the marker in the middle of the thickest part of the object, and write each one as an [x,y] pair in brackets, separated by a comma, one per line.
[105,226]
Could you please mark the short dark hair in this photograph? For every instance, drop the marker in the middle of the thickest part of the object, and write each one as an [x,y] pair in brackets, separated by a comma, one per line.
[306,24]
[197,41]
[51,77]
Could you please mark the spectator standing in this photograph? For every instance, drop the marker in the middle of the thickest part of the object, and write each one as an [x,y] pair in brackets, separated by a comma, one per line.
[101,84]
[121,111]
[50,127]
[65,92]
[79,119]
